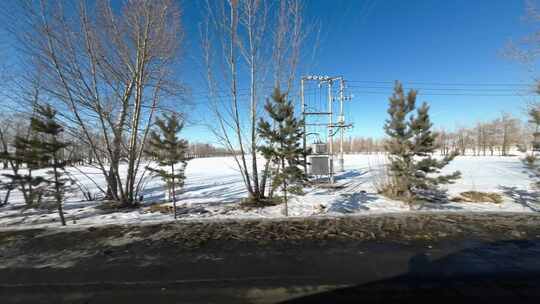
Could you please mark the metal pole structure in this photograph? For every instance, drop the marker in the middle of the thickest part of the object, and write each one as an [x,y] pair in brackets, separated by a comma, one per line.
[330,126]
[341,123]
[330,134]
[303,109]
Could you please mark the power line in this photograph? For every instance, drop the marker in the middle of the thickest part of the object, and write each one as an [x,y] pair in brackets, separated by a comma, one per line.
[442,89]
[451,94]
[445,83]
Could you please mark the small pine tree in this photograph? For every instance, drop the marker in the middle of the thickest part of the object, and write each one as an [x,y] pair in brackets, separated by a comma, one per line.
[283,137]
[49,144]
[25,153]
[168,150]
[534,118]
[530,160]
[410,147]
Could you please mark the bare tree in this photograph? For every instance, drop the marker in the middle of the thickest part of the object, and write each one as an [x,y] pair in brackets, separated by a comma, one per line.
[443,142]
[6,142]
[508,132]
[463,139]
[526,50]
[6,135]
[260,46]
[108,72]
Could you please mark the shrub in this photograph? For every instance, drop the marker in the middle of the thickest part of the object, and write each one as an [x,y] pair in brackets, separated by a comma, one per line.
[529,160]
[478,197]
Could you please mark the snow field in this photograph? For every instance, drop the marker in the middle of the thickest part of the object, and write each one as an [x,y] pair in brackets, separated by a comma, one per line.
[216,185]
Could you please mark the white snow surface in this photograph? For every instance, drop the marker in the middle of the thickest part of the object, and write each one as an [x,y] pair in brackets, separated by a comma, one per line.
[216,185]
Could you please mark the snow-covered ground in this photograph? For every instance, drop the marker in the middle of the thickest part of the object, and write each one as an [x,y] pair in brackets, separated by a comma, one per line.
[216,185]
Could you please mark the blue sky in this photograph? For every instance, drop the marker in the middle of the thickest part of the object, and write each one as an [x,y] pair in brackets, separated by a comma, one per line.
[458,41]
[422,41]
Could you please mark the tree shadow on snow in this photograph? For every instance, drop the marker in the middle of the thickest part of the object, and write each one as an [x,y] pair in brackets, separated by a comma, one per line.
[222,190]
[36,216]
[435,199]
[351,202]
[526,198]
[350,174]
[339,176]
[438,206]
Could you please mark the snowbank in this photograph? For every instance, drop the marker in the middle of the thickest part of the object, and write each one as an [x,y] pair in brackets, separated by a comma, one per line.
[215,185]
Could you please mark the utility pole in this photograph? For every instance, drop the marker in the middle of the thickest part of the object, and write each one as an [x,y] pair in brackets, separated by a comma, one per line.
[303,109]
[331,125]
[330,132]
[341,123]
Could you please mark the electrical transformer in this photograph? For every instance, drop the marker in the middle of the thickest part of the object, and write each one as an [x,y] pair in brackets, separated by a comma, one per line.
[319,148]
[319,165]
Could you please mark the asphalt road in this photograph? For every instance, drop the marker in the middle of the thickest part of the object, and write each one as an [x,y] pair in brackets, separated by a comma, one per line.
[465,270]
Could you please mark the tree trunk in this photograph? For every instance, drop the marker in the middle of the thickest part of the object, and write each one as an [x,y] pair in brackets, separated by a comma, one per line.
[112,185]
[6,197]
[57,189]
[284,187]
[173,191]
[255,172]
[131,174]
[265,175]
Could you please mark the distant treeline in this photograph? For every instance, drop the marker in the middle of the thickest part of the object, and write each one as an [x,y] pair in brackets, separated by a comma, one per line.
[202,150]
[80,151]
[496,137]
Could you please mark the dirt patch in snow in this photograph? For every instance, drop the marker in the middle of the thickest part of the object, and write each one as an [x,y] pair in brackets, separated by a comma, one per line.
[189,234]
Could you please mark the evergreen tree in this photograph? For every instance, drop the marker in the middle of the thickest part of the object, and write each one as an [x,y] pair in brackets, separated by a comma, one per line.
[530,159]
[25,153]
[411,144]
[534,118]
[49,144]
[170,153]
[282,138]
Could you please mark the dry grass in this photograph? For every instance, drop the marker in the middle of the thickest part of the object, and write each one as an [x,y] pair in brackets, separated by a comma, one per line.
[478,197]
[382,181]
[250,203]
[529,160]
[162,208]
[113,206]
